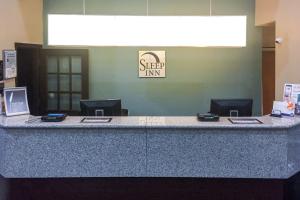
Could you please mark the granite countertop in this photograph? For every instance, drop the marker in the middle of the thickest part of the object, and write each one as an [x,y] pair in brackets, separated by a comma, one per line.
[28,121]
[149,146]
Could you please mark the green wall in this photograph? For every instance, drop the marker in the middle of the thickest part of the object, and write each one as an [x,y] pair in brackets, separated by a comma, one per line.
[194,75]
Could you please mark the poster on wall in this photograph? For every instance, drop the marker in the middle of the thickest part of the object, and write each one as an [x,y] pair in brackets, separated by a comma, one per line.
[291,92]
[1,70]
[152,64]
[9,64]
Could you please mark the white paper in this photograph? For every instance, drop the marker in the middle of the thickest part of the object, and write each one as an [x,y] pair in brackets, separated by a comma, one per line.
[9,64]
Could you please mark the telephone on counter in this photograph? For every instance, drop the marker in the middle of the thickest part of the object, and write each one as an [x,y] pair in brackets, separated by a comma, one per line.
[54,117]
[208,117]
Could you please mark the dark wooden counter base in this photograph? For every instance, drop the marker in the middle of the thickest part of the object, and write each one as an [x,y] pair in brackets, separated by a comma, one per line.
[149,188]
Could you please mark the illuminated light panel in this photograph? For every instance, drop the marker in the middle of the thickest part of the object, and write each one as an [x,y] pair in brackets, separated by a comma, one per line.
[194,31]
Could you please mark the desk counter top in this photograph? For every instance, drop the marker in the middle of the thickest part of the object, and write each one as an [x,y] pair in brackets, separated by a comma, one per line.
[149,147]
[27,121]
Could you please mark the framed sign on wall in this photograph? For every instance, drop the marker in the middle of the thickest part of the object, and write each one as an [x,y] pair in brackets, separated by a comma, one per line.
[152,64]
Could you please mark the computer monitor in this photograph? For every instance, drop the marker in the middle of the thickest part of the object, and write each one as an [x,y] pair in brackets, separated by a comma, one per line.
[231,107]
[108,107]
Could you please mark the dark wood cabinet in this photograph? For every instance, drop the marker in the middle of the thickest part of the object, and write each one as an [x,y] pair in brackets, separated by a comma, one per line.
[28,74]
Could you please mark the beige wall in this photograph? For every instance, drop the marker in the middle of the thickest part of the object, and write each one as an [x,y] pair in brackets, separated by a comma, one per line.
[265,11]
[286,15]
[20,21]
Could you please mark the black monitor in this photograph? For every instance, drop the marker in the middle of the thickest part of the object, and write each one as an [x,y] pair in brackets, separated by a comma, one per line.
[231,107]
[108,107]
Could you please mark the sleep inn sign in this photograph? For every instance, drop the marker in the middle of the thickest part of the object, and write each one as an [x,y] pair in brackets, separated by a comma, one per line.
[152,64]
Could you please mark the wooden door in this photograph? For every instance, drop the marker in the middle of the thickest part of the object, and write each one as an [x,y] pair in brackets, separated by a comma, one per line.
[268,80]
[65,75]
[268,68]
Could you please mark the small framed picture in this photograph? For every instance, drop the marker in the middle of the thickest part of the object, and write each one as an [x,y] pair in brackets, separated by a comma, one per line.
[15,101]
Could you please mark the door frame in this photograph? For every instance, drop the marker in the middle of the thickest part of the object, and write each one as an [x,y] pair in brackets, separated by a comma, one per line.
[37,93]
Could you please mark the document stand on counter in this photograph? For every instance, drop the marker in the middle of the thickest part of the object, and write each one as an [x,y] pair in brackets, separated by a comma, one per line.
[96,120]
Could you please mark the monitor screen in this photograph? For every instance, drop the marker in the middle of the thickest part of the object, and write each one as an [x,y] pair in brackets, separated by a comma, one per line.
[108,107]
[231,107]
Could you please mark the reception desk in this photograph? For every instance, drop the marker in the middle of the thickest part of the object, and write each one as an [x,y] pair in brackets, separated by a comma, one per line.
[149,147]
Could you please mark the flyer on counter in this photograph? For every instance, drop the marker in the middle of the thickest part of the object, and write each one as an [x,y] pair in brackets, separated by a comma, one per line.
[284,108]
[9,63]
